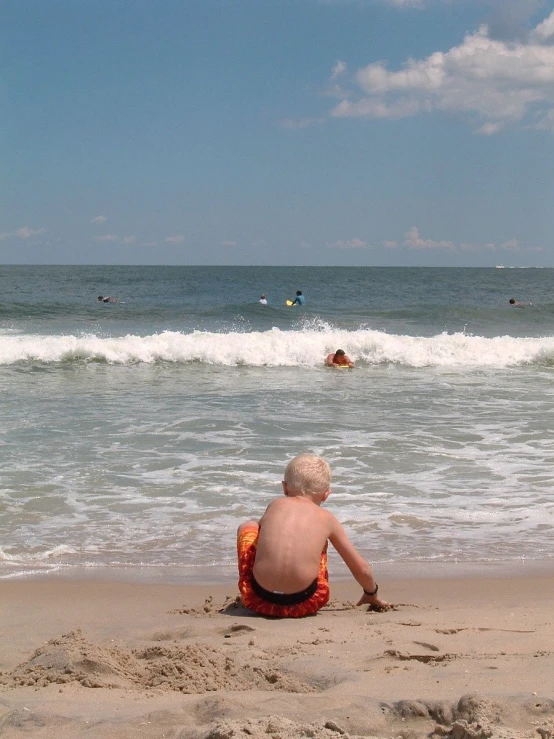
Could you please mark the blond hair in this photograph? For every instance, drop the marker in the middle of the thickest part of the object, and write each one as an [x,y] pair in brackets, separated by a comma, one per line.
[308,475]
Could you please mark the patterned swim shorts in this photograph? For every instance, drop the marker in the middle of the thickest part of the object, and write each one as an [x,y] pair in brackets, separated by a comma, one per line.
[247,542]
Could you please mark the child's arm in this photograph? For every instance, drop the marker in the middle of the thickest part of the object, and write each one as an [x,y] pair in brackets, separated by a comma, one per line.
[360,569]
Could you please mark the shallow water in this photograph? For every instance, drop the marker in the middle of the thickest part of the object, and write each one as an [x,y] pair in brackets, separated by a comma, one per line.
[138,435]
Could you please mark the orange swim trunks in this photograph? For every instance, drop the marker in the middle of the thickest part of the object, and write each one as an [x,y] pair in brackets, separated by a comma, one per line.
[317,595]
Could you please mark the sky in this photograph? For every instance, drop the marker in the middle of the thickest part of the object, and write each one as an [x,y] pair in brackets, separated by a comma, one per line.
[277,132]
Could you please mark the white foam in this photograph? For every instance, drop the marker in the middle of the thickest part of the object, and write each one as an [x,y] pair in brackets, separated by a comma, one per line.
[37,556]
[276,348]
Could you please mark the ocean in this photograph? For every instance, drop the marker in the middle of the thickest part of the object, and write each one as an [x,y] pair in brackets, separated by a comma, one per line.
[135,436]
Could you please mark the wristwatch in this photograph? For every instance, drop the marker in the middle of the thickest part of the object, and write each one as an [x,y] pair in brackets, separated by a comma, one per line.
[373,592]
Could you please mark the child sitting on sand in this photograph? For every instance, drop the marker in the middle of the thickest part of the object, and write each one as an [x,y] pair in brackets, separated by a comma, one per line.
[283,557]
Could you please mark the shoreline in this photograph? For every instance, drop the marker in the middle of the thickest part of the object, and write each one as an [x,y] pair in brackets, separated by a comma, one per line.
[203,575]
[97,658]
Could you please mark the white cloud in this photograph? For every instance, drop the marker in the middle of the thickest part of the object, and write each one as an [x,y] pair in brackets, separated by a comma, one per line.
[488,129]
[395,3]
[544,31]
[334,88]
[406,3]
[352,244]
[26,232]
[498,82]
[376,108]
[228,243]
[338,70]
[511,245]
[99,219]
[293,123]
[114,237]
[413,240]
[547,123]
[177,239]
[22,233]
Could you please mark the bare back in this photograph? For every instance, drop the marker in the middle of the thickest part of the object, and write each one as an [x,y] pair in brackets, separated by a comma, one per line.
[293,533]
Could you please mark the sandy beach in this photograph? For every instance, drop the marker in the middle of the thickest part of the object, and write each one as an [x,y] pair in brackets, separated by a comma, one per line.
[466,658]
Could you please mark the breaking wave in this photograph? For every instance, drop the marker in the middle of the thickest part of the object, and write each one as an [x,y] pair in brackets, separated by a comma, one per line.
[276,348]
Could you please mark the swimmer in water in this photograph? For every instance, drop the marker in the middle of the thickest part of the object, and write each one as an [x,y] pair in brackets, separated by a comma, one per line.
[339,359]
[107,299]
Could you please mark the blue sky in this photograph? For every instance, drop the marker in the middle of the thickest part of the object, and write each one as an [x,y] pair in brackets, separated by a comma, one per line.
[277,132]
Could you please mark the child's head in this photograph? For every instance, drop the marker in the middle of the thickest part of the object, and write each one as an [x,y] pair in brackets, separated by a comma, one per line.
[308,475]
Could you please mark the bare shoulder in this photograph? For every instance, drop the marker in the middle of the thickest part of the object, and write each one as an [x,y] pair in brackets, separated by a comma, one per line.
[273,507]
[328,515]
[331,521]
[337,532]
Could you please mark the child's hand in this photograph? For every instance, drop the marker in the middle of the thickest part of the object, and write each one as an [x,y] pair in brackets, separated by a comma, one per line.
[373,600]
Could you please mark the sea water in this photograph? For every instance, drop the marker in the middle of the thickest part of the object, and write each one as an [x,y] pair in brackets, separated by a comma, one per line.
[135,436]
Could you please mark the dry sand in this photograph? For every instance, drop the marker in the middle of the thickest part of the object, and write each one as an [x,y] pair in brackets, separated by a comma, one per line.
[462,658]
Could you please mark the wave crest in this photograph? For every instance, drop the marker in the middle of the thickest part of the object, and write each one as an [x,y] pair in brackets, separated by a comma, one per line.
[276,348]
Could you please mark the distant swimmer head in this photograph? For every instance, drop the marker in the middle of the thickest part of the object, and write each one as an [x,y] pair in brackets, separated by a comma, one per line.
[299,292]
[512,301]
[100,297]
[340,353]
[262,297]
